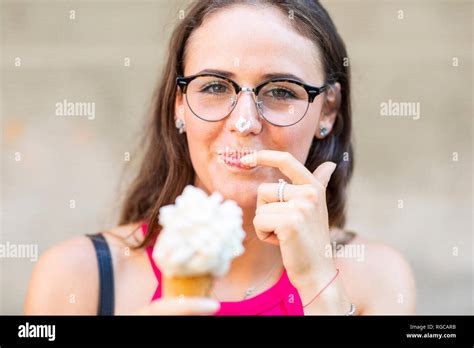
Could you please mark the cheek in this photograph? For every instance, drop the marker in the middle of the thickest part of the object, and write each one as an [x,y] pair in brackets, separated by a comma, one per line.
[303,133]
[297,140]
[200,136]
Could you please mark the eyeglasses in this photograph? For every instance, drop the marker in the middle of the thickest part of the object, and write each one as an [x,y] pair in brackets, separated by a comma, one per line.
[281,102]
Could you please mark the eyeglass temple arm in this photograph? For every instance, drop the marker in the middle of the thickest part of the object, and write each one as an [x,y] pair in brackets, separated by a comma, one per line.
[182,82]
[313,93]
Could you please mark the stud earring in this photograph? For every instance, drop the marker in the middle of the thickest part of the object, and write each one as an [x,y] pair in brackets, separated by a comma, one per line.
[323,131]
[180,125]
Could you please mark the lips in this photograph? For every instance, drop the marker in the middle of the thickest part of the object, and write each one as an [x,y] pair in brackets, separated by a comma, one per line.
[232,157]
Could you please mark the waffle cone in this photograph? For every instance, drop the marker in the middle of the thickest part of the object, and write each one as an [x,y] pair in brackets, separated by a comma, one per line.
[187,286]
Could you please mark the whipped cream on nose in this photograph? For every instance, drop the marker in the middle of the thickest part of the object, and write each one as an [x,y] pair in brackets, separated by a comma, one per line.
[243,124]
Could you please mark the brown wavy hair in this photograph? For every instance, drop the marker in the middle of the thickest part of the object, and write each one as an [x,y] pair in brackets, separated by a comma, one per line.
[166,167]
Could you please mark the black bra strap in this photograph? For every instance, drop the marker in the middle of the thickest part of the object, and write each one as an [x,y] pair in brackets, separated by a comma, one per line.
[106,274]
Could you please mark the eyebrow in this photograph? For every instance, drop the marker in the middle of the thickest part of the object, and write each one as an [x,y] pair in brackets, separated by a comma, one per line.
[264,77]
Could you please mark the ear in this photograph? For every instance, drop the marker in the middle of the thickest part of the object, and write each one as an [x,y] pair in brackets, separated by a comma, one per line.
[179,105]
[332,103]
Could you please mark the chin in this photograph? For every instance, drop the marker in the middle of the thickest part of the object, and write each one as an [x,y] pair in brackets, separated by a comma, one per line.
[239,186]
[244,201]
[243,193]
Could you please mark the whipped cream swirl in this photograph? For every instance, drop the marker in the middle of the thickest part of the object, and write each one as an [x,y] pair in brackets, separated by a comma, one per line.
[201,234]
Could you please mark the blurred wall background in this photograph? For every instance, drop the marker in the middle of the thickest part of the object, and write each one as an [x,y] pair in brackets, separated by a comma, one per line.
[63,176]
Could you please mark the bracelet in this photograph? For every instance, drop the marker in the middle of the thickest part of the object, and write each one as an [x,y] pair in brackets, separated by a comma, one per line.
[352,310]
[319,293]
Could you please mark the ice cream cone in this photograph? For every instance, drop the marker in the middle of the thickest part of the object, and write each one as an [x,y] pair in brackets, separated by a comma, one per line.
[187,286]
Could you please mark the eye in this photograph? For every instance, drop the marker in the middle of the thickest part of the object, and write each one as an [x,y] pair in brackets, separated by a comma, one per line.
[215,88]
[281,93]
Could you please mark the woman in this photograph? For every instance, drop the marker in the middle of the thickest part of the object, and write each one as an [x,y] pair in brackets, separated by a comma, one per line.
[265,78]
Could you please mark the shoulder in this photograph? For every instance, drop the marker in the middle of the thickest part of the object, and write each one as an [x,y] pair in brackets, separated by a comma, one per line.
[380,277]
[66,279]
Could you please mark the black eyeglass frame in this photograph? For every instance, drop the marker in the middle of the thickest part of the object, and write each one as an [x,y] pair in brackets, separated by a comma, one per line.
[312,92]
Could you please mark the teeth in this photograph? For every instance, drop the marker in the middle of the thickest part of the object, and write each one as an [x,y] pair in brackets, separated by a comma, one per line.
[236,153]
[233,156]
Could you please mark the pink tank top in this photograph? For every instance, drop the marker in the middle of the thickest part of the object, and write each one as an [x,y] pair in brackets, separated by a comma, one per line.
[281,299]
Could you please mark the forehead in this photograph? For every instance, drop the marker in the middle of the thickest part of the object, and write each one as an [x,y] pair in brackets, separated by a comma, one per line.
[251,41]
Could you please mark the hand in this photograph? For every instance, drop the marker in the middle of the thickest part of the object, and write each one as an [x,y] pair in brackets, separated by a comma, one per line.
[299,225]
[180,306]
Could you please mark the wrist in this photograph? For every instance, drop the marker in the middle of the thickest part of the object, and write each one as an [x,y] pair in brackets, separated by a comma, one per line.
[314,280]
[333,301]
[324,294]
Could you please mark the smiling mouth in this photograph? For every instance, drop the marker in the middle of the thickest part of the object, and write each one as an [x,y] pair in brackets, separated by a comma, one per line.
[231,157]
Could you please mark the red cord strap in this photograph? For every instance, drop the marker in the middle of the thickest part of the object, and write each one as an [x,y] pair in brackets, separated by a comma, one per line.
[321,291]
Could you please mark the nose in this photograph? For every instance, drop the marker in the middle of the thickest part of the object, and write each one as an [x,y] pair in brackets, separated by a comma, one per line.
[245,118]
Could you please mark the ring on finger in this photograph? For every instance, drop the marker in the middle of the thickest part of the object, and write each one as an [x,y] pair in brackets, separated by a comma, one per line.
[281,190]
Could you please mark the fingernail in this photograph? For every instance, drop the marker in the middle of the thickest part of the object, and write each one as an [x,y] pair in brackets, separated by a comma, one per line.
[248,160]
[333,166]
[330,171]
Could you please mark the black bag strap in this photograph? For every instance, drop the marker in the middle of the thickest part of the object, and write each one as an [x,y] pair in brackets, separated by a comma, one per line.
[106,274]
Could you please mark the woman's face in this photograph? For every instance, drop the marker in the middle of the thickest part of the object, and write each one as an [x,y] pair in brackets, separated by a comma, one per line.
[249,42]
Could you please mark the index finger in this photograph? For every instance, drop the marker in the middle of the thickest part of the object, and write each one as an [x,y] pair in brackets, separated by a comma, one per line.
[284,161]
